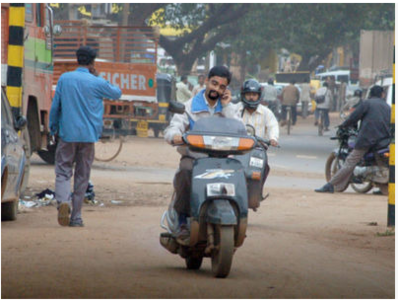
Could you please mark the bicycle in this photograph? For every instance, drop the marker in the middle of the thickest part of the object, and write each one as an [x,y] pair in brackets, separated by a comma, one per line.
[109,144]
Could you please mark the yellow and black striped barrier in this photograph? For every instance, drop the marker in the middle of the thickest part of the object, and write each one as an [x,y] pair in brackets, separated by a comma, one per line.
[15,55]
[391,182]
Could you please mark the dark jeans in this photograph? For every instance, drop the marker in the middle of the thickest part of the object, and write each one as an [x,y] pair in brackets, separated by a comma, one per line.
[293,111]
[182,185]
[326,121]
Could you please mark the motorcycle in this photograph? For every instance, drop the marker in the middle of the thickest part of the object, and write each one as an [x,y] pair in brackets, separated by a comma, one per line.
[371,171]
[219,194]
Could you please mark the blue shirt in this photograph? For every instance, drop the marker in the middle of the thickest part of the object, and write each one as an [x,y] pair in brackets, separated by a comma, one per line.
[77,108]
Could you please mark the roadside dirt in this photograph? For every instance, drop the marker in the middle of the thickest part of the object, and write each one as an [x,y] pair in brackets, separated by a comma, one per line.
[299,244]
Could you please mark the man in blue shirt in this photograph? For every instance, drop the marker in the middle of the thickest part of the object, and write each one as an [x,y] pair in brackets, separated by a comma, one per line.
[76,116]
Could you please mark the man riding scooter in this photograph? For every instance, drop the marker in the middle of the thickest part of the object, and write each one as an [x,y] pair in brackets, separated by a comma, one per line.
[213,101]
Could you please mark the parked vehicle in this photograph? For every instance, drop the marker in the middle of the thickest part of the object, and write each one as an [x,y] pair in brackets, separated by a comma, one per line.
[13,160]
[219,196]
[38,49]
[373,170]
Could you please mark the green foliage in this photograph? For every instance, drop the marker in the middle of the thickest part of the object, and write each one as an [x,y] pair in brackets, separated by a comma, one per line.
[308,29]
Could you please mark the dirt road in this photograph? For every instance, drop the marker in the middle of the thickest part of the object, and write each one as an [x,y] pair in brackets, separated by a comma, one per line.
[299,244]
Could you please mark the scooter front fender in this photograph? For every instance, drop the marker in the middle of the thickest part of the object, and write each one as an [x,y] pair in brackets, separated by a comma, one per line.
[221,212]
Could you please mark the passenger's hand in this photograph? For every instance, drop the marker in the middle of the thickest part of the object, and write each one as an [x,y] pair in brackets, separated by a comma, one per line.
[226,97]
[177,140]
[274,143]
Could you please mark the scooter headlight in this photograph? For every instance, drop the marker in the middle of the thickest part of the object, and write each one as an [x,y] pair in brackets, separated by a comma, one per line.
[220,189]
[221,143]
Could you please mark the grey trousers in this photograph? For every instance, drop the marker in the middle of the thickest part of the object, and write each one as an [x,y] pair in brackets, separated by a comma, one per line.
[343,176]
[82,154]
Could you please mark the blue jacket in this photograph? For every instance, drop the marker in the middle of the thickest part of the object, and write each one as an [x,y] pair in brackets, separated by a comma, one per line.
[77,108]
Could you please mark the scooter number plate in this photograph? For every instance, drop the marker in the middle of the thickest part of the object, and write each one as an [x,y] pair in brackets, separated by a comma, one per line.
[256,162]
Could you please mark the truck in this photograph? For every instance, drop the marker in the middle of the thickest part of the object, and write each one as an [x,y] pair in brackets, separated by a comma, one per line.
[36,41]
[126,57]
[376,54]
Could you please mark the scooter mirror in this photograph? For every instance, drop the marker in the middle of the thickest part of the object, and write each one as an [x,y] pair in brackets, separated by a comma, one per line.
[250,130]
[176,107]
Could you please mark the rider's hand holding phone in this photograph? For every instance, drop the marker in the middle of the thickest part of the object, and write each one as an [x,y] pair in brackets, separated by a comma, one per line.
[226,97]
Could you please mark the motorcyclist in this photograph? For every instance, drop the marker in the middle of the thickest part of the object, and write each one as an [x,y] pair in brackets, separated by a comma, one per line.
[257,115]
[212,101]
[374,115]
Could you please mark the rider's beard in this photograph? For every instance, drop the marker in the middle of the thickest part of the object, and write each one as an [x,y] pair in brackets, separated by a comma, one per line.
[215,95]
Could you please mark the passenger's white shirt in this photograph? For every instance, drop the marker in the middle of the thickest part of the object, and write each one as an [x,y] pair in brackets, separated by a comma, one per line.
[262,119]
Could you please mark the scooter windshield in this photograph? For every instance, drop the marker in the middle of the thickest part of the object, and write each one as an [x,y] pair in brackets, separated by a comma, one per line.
[218,125]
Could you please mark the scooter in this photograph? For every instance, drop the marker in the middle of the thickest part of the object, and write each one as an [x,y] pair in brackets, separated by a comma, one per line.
[219,195]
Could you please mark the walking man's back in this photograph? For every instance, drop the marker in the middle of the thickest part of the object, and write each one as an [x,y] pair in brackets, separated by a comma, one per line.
[76,117]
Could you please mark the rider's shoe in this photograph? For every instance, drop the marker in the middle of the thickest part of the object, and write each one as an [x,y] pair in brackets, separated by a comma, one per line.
[327,188]
[316,123]
[283,123]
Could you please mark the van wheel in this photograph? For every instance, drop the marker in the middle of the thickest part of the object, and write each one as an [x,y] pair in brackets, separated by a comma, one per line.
[9,211]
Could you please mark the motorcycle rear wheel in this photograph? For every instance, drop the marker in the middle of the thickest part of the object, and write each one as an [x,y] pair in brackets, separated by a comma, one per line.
[362,188]
[221,257]
[333,164]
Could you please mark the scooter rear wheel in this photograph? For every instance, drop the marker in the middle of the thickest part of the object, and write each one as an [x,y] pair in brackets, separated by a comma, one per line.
[193,263]
[221,257]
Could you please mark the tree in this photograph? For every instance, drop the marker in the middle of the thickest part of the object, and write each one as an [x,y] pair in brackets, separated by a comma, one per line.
[207,25]
[311,30]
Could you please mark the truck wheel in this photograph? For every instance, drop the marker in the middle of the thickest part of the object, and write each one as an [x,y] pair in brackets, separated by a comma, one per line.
[221,257]
[9,211]
[47,155]
[193,263]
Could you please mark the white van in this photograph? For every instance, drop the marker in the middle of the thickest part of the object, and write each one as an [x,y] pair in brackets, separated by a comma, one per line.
[339,76]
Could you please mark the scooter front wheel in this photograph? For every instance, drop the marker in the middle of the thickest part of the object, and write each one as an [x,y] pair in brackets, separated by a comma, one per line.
[221,257]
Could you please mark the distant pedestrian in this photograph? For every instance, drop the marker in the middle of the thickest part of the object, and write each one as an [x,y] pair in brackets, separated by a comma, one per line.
[323,105]
[200,86]
[76,117]
[183,93]
[305,97]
